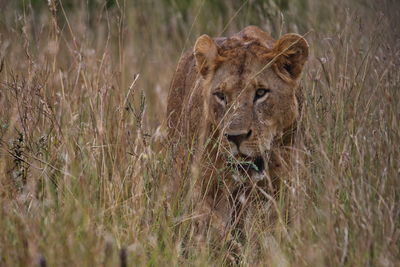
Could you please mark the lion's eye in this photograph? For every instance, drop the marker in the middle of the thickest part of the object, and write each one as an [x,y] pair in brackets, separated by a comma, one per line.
[261,92]
[220,97]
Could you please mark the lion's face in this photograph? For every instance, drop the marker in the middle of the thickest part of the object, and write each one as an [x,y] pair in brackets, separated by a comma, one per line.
[250,111]
[249,95]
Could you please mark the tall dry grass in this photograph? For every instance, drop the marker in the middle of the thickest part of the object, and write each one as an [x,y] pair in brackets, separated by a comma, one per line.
[83,167]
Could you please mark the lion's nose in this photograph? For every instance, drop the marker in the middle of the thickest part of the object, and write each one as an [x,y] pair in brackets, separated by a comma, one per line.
[237,139]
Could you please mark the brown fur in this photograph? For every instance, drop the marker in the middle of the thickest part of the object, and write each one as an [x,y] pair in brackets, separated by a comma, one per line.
[215,112]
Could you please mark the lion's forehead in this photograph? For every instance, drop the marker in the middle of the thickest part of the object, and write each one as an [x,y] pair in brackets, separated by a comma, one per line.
[241,67]
[228,80]
[242,62]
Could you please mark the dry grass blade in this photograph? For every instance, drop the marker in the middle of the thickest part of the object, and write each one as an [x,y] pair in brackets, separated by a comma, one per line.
[84,177]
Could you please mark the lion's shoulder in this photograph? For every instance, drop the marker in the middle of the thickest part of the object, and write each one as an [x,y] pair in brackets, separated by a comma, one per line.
[182,81]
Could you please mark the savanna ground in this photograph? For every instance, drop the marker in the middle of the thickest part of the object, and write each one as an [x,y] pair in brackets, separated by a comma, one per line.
[83,165]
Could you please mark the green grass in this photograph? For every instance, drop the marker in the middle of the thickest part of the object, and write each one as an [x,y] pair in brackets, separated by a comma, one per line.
[84,170]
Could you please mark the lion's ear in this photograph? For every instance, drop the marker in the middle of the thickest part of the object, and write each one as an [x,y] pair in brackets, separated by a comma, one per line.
[206,53]
[292,52]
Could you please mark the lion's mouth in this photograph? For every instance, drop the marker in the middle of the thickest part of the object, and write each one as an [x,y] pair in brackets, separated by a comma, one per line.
[248,165]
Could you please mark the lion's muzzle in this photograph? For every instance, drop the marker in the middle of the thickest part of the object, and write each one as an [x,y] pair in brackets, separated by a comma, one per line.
[237,139]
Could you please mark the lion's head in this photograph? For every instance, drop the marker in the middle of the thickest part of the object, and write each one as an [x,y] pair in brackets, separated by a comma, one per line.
[249,90]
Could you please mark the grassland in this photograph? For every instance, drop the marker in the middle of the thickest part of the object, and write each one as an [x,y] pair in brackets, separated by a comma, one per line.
[83,168]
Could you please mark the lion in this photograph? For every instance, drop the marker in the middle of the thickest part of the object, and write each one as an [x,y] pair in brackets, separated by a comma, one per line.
[232,110]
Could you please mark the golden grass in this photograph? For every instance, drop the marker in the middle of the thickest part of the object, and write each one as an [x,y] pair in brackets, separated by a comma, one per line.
[83,169]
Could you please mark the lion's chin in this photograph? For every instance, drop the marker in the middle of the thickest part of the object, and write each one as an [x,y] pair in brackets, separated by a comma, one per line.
[248,166]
